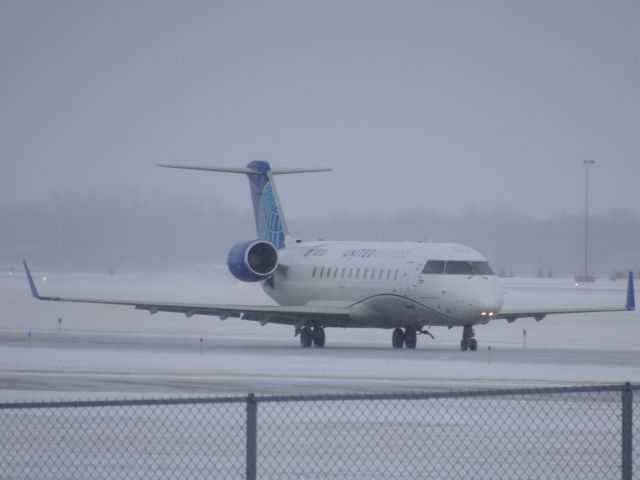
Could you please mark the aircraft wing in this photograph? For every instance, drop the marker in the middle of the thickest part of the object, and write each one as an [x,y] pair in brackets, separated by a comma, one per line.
[330,315]
[511,314]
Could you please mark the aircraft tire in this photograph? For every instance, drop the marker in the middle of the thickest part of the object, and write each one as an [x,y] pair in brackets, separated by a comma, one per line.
[306,337]
[397,339]
[410,338]
[463,344]
[473,344]
[318,337]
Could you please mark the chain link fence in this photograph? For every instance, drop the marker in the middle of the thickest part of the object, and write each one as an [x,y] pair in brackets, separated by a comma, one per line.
[570,433]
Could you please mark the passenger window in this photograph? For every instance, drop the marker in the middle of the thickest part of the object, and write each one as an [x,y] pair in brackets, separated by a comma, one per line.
[395,277]
[314,271]
[342,273]
[373,274]
[388,274]
[434,266]
[335,272]
[380,274]
[358,273]
[329,272]
[321,272]
[366,270]
[350,272]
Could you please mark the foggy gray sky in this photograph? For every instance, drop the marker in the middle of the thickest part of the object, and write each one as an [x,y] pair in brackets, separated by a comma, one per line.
[440,105]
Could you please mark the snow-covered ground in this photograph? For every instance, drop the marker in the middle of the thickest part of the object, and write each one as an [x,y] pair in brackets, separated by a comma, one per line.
[574,436]
[117,352]
[110,351]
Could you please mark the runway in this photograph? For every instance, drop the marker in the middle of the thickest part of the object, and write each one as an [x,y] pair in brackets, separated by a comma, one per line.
[59,365]
[116,352]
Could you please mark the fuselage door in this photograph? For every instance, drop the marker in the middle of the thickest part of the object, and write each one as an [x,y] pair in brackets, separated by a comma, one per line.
[410,278]
[431,284]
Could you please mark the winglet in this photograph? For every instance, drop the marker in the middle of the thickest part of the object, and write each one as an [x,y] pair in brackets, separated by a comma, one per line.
[32,285]
[631,294]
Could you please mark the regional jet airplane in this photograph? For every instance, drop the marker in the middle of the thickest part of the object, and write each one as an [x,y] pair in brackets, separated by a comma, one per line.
[402,286]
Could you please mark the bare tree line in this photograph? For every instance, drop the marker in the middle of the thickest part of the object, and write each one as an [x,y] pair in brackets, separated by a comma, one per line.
[100,233]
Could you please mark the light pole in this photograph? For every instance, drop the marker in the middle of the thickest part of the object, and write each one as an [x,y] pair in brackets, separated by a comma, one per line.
[586,277]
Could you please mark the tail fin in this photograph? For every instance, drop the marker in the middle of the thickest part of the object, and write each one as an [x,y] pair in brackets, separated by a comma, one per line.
[270,223]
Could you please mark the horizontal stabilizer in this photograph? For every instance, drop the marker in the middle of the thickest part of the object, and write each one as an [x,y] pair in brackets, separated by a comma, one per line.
[246,171]
[284,171]
[267,210]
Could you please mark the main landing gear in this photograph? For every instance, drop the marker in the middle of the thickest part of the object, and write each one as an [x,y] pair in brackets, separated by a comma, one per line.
[468,341]
[407,338]
[309,336]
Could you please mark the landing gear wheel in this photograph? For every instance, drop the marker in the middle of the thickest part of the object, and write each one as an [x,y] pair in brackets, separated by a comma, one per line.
[397,339]
[306,337]
[410,338]
[318,337]
[468,342]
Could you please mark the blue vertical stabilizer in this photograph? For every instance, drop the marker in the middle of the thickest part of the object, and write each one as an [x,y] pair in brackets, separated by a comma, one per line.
[270,223]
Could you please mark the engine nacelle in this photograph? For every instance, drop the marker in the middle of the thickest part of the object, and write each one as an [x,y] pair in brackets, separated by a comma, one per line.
[253,260]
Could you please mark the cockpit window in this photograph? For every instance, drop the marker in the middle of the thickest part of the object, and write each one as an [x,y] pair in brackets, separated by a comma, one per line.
[434,266]
[482,268]
[459,268]
[469,268]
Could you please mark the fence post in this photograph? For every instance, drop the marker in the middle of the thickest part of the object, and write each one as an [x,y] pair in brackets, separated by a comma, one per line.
[627,432]
[252,437]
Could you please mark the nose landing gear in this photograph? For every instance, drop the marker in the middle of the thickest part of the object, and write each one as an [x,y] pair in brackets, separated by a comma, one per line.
[468,341]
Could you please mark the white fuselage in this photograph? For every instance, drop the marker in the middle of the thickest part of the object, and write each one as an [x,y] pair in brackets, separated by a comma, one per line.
[386,284]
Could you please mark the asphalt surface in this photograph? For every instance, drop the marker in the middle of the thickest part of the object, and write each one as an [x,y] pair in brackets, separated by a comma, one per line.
[87,365]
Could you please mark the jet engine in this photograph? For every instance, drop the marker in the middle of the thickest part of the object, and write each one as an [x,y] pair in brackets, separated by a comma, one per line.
[253,260]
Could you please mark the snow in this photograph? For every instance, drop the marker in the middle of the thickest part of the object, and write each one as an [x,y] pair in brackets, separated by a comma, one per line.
[117,351]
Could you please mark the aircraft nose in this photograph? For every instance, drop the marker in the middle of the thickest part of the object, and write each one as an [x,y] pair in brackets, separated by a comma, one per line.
[489,301]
